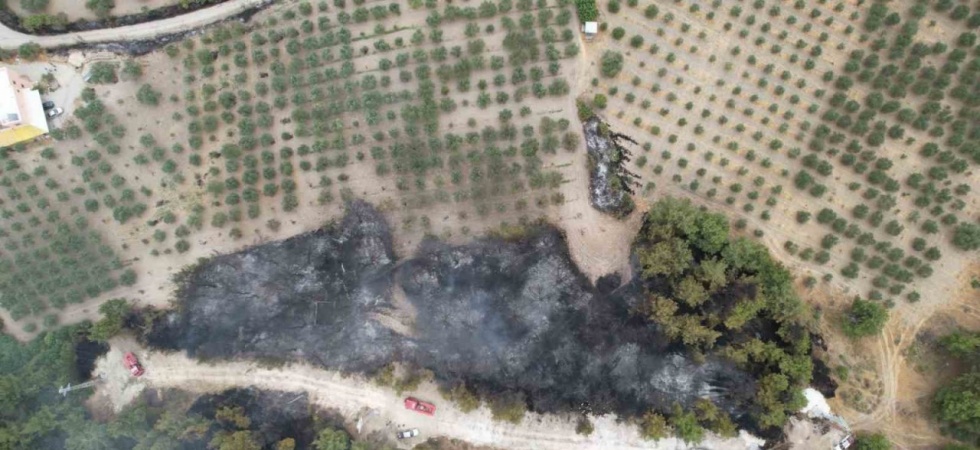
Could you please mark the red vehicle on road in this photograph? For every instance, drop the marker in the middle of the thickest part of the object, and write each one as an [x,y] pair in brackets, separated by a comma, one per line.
[133,364]
[418,405]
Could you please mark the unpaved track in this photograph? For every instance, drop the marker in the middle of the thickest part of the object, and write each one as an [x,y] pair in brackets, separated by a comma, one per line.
[353,395]
[196,19]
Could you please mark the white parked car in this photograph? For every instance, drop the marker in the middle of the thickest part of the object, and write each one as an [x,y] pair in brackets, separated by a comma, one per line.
[54,112]
[408,433]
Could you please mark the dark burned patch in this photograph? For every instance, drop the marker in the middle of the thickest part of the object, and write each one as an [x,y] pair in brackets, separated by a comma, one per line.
[305,298]
[518,315]
[500,315]
[86,352]
[608,283]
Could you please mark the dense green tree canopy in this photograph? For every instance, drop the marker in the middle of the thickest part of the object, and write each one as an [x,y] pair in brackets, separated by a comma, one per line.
[864,318]
[966,236]
[956,405]
[587,10]
[963,344]
[113,316]
[611,64]
[872,442]
[703,285]
[330,439]
[34,416]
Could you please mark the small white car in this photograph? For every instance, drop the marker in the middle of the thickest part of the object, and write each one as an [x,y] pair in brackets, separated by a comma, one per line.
[408,433]
[54,112]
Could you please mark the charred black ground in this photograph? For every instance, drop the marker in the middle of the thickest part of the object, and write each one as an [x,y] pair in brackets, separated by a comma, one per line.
[501,315]
[518,315]
[86,352]
[305,298]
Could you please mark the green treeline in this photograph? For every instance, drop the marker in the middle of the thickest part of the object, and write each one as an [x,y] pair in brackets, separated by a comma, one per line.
[715,295]
[587,10]
[956,404]
[33,415]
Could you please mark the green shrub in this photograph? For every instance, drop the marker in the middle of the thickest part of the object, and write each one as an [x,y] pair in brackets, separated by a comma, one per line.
[864,318]
[132,70]
[37,22]
[599,101]
[966,236]
[584,426]
[147,96]
[29,51]
[611,64]
[872,442]
[101,8]
[509,407]
[587,10]
[464,399]
[686,425]
[34,6]
[103,73]
[654,426]
[114,314]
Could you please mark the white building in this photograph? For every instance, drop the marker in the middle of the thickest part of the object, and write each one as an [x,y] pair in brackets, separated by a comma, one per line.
[590,29]
[21,113]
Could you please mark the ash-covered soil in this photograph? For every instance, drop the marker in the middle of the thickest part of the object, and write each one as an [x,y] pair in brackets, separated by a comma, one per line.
[519,315]
[610,184]
[501,315]
[305,298]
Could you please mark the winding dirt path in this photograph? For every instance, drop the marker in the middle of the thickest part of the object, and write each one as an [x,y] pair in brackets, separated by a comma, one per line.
[202,17]
[353,396]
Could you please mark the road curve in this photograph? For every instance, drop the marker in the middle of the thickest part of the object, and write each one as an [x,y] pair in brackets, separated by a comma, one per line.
[149,30]
[353,395]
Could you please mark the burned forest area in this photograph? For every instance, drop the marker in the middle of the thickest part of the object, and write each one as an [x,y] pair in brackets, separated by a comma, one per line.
[509,315]
[611,184]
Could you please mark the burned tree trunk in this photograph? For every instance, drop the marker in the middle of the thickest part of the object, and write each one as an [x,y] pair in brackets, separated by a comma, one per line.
[610,183]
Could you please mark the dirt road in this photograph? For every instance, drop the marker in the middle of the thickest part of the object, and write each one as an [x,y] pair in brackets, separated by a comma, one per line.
[202,17]
[353,396]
